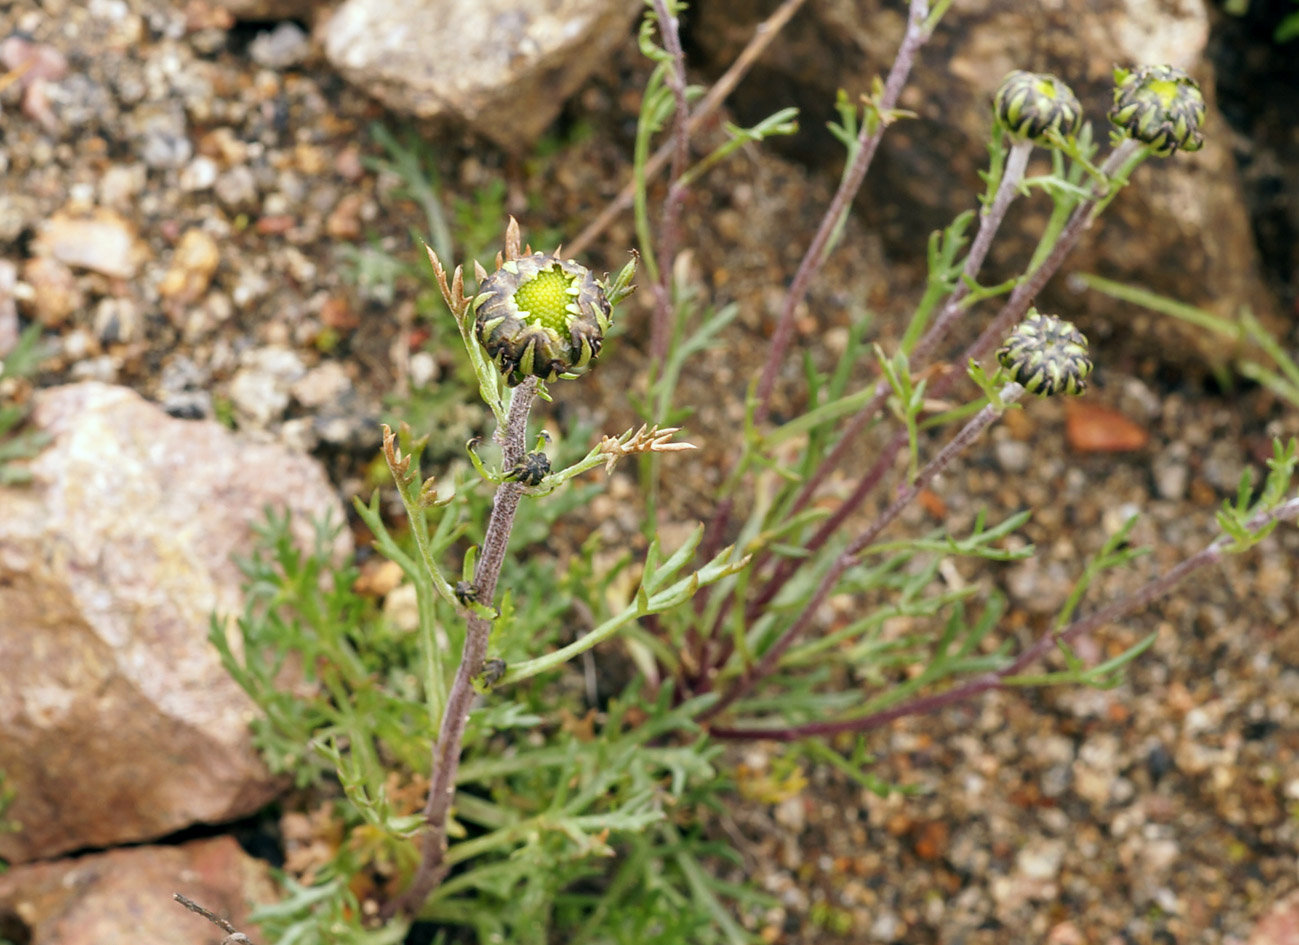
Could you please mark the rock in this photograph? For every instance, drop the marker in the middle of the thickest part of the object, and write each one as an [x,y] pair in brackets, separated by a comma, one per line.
[1280,926]
[260,388]
[192,267]
[119,723]
[281,48]
[503,67]
[9,331]
[271,9]
[101,240]
[1181,229]
[124,897]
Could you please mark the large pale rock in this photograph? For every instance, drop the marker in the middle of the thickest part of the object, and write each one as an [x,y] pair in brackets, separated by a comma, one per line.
[1181,229]
[124,897]
[118,723]
[270,9]
[502,66]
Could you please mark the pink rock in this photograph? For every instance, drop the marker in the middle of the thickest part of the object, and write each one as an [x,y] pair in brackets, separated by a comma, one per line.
[119,722]
[124,897]
[1280,926]
[102,241]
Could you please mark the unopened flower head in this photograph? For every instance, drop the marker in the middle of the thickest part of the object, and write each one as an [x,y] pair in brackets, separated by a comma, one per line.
[542,316]
[1030,105]
[1046,355]
[1160,106]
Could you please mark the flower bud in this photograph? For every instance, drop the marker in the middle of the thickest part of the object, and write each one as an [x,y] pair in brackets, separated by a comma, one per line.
[1160,106]
[541,315]
[1031,104]
[1046,355]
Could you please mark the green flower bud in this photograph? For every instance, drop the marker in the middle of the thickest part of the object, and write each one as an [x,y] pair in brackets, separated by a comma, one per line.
[531,469]
[1046,355]
[541,315]
[1160,106]
[1031,104]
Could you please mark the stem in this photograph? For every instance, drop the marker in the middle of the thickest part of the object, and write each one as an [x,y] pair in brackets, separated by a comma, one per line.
[672,203]
[868,140]
[968,434]
[433,864]
[990,220]
[1083,216]
[765,32]
[923,705]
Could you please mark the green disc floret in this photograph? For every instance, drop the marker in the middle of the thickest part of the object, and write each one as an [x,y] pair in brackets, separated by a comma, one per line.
[546,299]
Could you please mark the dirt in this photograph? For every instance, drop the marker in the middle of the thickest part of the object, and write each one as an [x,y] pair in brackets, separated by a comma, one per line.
[1166,809]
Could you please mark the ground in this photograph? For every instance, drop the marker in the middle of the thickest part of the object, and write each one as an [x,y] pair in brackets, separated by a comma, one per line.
[1164,810]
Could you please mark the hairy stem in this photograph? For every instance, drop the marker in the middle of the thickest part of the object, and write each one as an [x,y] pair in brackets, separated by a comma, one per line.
[868,140]
[766,31]
[433,866]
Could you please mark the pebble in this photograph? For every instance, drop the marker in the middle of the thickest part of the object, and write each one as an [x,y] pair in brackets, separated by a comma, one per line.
[102,241]
[55,294]
[118,321]
[326,383]
[236,188]
[1171,472]
[198,174]
[193,265]
[259,390]
[1014,456]
[285,46]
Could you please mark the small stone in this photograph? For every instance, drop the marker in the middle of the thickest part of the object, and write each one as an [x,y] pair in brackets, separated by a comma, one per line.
[193,264]
[198,174]
[260,389]
[160,132]
[102,241]
[281,48]
[237,188]
[118,321]
[326,383]
[1095,428]
[122,184]
[55,293]
[1014,456]
[423,369]
[344,222]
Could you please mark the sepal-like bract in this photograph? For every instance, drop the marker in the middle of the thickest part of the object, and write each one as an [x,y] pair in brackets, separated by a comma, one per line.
[1160,106]
[1046,355]
[1031,105]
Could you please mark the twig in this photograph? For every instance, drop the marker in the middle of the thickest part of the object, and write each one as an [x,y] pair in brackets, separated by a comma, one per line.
[765,32]
[233,935]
